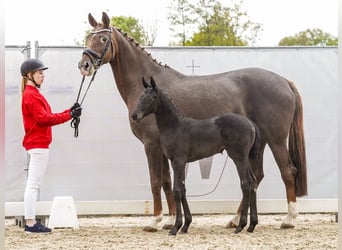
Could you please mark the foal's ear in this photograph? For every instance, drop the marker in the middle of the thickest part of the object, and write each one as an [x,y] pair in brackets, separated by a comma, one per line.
[153,83]
[92,20]
[145,83]
[105,20]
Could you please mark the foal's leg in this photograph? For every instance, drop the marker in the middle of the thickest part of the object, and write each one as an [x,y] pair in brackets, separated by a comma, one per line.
[178,166]
[253,211]
[243,171]
[256,162]
[186,209]
[288,173]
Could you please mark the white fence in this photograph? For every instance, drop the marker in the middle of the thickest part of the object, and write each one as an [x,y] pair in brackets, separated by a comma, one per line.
[106,163]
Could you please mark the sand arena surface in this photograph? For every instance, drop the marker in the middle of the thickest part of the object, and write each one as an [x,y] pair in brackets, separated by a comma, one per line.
[313,231]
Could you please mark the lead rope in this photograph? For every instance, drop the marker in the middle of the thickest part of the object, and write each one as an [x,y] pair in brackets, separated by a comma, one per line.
[219,180]
[76,120]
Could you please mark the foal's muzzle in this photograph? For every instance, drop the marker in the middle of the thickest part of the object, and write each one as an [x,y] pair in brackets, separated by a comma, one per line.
[135,117]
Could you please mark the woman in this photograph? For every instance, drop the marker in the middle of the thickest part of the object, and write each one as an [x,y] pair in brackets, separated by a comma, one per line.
[38,120]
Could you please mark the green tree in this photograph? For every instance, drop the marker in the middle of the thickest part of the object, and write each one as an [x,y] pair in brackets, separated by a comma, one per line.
[134,29]
[181,17]
[310,37]
[218,25]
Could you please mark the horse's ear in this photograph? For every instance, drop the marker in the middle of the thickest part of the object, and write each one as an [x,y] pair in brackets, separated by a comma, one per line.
[153,83]
[92,20]
[145,83]
[105,20]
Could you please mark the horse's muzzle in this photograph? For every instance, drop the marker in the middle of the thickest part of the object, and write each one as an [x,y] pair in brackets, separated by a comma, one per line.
[86,68]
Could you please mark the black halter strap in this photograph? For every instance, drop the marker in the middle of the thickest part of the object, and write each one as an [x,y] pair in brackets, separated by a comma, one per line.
[97,61]
[76,120]
[95,58]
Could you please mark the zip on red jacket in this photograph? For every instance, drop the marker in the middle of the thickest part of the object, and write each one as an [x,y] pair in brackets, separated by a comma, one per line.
[38,119]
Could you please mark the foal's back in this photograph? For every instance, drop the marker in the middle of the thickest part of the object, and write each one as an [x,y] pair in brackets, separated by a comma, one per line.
[197,139]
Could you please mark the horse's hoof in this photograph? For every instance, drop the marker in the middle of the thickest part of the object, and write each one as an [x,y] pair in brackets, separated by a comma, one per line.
[150,229]
[237,230]
[170,222]
[286,226]
[167,226]
[233,223]
[230,224]
[288,223]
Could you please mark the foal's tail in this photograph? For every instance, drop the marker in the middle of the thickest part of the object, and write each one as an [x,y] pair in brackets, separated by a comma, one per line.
[297,145]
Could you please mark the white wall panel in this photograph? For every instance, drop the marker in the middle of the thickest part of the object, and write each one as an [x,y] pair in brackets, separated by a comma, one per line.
[106,162]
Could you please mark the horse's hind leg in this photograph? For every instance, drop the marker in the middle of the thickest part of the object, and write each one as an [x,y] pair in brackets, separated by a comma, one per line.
[288,173]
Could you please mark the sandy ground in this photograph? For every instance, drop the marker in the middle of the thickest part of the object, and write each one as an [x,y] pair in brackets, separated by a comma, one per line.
[313,231]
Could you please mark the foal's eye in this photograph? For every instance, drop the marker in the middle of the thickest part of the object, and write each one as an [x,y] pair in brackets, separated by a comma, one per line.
[103,39]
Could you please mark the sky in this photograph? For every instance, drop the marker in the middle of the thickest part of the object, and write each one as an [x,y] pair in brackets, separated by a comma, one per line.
[64,22]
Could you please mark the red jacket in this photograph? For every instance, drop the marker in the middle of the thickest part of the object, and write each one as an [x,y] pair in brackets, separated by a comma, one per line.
[38,119]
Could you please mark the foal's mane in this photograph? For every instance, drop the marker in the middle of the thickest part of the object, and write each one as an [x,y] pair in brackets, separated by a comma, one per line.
[169,101]
[138,45]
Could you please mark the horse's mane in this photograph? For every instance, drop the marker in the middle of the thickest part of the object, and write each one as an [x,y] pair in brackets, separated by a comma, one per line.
[138,45]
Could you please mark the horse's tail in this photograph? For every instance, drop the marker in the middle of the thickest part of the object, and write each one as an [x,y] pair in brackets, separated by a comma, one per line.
[297,145]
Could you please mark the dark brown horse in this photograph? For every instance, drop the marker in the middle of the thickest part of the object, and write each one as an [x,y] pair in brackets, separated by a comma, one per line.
[269,100]
[184,139]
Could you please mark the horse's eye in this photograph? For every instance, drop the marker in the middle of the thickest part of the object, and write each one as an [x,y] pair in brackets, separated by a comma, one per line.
[103,39]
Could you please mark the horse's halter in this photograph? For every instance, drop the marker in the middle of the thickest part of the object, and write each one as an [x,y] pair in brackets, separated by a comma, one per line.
[95,58]
[97,61]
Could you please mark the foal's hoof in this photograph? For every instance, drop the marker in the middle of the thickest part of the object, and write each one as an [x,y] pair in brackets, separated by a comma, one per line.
[172,232]
[184,229]
[150,229]
[250,229]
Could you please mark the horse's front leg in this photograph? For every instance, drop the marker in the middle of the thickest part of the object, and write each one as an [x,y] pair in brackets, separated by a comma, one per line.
[178,179]
[154,156]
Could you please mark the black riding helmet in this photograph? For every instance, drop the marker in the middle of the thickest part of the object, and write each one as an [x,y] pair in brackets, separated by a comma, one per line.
[31,65]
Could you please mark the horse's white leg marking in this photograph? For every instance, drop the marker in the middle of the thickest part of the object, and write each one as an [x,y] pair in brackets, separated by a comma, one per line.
[170,221]
[233,223]
[153,226]
[159,218]
[289,221]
